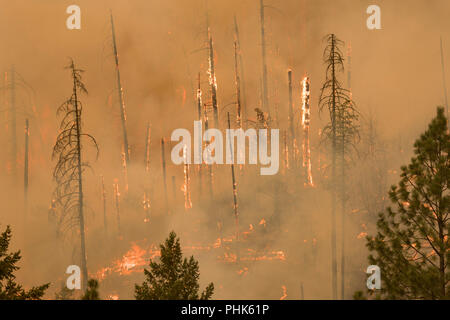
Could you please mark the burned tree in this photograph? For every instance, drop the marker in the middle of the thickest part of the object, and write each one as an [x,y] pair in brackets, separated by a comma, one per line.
[212,79]
[164,174]
[18,107]
[265,93]
[146,201]
[237,81]
[68,172]
[13,122]
[26,167]
[291,119]
[123,115]
[306,120]
[241,69]
[341,132]
[235,193]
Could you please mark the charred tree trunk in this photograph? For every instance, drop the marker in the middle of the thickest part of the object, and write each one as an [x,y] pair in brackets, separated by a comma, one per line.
[265,100]
[233,179]
[333,178]
[13,109]
[291,119]
[241,69]
[210,171]
[25,174]
[120,95]
[80,183]
[343,134]
[163,162]
[237,82]
[343,222]
[68,172]
[147,148]
[105,221]
[117,205]
[213,82]
[443,79]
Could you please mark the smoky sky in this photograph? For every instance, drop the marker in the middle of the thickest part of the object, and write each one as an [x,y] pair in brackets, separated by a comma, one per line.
[396,78]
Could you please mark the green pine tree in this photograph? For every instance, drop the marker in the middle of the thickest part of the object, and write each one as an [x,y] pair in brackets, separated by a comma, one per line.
[412,246]
[9,289]
[173,278]
[91,291]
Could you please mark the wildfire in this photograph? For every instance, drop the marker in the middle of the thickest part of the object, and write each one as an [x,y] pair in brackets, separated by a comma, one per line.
[306,116]
[362,235]
[125,170]
[253,255]
[146,205]
[243,272]
[199,96]
[284,296]
[211,74]
[136,258]
[263,222]
[286,151]
[250,230]
[132,261]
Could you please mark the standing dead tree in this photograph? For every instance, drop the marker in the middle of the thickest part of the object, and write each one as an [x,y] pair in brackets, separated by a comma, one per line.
[213,79]
[13,122]
[341,132]
[237,82]
[26,168]
[117,205]
[164,174]
[146,202]
[68,172]
[105,220]
[233,179]
[200,117]
[19,105]
[443,79]
[291,120]
[210,167]
[123,115]
[265,94]
[241,69]
[306,120]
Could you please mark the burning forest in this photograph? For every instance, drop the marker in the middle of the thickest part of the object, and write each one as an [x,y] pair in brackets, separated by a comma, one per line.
[249,145]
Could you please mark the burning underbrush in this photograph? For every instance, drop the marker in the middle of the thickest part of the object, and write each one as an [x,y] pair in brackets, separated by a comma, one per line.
[235,258]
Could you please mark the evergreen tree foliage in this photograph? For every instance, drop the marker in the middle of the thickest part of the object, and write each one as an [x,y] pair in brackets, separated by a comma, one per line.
[412,247]
[9,289]
[173,278]
[91,291]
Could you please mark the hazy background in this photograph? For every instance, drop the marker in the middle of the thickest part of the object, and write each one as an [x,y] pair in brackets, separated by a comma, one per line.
[396,79]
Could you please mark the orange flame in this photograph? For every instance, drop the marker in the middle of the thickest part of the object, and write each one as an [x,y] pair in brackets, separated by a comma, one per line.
[284,296]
